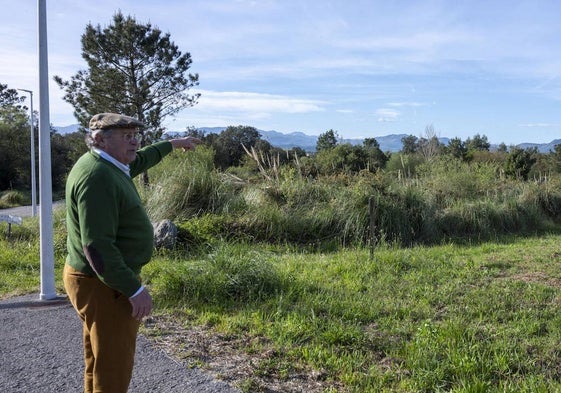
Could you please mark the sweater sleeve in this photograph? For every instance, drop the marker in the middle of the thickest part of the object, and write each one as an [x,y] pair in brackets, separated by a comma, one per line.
[149,156]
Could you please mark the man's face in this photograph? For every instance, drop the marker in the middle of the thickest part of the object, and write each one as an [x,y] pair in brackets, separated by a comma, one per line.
[121,144]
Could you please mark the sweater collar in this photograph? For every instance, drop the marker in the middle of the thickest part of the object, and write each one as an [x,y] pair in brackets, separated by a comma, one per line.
[120,165]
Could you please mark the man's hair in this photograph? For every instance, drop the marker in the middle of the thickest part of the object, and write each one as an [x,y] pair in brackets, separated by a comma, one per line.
[90,140]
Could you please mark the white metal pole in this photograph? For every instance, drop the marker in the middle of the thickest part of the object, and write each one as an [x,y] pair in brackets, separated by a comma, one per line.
[45,184]
[32,144]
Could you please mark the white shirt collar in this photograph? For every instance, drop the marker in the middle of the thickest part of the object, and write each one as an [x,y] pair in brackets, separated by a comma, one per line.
[120,165]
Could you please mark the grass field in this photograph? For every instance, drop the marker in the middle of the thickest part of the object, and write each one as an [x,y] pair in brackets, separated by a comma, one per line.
[451,318]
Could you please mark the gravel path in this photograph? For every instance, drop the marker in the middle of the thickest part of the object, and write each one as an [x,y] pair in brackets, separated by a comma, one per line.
[41,352]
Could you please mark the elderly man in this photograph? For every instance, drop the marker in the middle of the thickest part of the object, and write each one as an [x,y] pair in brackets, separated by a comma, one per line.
[110,238]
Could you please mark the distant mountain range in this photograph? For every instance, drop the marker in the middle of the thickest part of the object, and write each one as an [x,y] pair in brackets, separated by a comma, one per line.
[388,143]
[391,143]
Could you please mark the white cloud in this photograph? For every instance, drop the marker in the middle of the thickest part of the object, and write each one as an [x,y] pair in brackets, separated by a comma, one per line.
[406,104]
[258,104]
[418,41]
[539,125]
[217,108]
[387,115]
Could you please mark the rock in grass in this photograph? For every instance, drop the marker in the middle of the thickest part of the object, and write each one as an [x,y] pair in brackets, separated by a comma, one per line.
[165,234]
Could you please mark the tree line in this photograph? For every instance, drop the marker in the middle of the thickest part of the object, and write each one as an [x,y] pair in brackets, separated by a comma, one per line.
[233,145]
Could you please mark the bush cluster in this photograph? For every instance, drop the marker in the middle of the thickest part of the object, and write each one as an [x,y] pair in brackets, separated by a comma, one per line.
[447,199]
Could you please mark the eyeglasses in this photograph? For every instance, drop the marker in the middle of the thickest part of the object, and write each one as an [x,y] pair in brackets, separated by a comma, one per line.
[132,136]
[127,136]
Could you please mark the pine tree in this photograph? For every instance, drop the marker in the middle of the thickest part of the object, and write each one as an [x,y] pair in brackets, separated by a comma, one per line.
[133,69]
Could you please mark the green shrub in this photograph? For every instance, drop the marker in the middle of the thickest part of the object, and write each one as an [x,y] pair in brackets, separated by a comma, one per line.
[404,165]
[451,179]
[185,185]
[230,274]
[200,233]
[544,197]
[13,198]
[402,215]
[306,212]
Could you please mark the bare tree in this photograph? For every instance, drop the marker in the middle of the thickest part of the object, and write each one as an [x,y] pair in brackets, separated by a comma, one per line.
[429,145]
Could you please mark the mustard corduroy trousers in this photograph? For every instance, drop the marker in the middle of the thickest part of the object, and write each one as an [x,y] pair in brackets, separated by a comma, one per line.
[109,332]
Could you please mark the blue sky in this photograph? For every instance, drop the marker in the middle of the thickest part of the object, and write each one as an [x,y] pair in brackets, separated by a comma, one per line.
[361,68]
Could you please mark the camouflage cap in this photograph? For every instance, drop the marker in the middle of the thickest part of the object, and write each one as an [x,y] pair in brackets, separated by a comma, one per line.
[104,121]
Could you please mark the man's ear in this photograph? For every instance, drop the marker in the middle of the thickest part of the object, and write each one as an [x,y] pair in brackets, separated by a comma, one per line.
[99,139]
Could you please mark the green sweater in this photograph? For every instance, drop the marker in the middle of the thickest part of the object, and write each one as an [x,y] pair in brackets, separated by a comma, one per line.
[109,232]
